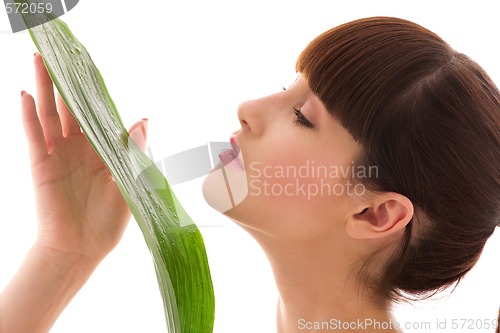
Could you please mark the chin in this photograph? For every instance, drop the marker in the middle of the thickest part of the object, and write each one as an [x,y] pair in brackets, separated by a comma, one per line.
[225,187]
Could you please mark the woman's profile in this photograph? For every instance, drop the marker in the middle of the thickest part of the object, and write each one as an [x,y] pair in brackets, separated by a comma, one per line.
[415,125]
[372,179]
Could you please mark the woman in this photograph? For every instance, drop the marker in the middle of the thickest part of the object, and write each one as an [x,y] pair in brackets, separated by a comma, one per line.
[374,177]
[378,94]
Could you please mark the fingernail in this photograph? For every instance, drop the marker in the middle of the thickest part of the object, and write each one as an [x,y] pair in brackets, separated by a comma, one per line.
[145,123]
[34,54]
[22,93]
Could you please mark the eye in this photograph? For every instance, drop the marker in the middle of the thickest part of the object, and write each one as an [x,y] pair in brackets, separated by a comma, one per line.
[301,120]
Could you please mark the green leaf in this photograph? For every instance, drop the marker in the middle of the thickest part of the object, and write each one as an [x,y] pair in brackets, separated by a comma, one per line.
[174,240]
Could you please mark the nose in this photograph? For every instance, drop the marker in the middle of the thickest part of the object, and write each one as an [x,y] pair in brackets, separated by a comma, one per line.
[246,116]
[254,115]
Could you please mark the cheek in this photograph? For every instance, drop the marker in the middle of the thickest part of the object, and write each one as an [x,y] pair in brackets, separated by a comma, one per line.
[299,175]
[306,182]
[299,199]
[293,215]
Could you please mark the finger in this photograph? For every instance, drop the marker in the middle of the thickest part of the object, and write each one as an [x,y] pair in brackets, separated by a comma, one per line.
[49,118]
[33,129]
[139,133]
[69,124]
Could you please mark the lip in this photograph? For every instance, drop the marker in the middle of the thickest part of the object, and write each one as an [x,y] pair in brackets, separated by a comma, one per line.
[234,144]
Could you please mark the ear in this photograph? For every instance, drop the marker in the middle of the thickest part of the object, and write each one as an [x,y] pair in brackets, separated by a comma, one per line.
[386,214]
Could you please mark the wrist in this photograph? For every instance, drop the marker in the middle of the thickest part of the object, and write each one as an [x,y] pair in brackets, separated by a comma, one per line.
[43,286]
[66,261]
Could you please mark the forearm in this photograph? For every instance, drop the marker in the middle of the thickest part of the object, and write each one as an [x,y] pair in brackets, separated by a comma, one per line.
[41,289]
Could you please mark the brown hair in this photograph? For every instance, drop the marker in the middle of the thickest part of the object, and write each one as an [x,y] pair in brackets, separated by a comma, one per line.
[498,322]
[429,118]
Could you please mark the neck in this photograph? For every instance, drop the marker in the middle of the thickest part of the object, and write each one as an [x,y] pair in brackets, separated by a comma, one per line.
[318,290]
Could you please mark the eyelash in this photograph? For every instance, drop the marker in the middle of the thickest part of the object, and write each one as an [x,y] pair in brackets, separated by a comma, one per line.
[300,119]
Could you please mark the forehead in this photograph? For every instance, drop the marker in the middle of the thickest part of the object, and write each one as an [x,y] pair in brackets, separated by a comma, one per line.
[300,82]
[301,90]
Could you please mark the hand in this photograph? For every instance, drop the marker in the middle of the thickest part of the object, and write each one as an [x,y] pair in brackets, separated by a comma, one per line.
[80,210]
[81,213]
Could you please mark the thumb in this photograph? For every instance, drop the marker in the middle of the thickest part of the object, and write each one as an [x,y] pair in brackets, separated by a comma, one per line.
[139,133]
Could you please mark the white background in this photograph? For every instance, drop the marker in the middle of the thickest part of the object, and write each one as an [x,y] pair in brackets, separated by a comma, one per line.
[186,65]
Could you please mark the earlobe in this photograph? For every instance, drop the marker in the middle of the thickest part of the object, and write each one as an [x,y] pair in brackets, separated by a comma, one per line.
[385,215]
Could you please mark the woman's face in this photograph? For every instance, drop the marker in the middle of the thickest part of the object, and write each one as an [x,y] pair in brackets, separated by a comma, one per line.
[298,164]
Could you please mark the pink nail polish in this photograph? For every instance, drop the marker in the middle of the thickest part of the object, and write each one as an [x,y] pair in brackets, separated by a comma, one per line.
[22,93]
